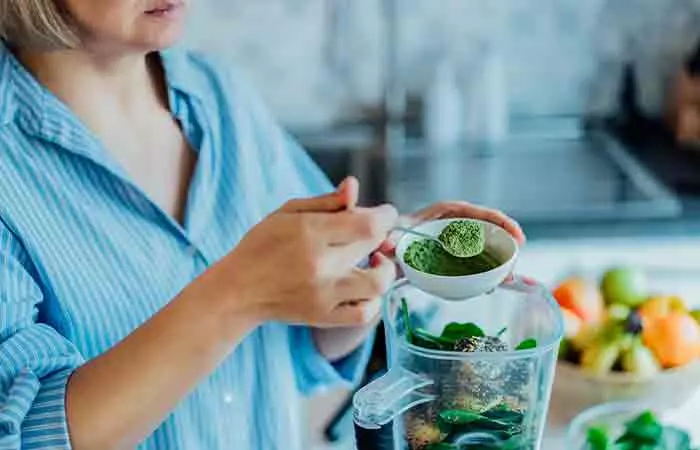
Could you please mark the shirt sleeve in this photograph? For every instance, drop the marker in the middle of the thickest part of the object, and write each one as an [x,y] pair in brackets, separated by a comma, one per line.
[315,374]
[35,361]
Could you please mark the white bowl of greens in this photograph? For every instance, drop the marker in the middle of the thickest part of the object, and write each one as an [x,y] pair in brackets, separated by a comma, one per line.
[627,426]
[432,270]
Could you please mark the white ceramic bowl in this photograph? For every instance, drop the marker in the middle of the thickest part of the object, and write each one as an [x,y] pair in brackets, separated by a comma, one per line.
[499,243]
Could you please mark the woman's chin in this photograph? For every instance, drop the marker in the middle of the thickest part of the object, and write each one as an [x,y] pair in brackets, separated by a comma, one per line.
[159,42]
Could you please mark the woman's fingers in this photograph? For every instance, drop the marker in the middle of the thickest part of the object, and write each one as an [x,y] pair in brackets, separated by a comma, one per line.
[325,203]
[344,197]
[449,210]
[358,225]
[349,190]
[363,284]
[353,314]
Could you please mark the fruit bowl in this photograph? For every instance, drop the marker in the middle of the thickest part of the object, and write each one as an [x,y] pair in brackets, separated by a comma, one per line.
[575,390]
[629,359]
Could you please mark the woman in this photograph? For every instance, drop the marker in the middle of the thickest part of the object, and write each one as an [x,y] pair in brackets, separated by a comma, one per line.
[158,285]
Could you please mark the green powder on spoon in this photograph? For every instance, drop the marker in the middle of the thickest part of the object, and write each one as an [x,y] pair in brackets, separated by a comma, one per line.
[464,238]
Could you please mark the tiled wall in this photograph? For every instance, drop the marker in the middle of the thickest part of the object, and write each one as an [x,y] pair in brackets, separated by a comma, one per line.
[319,60]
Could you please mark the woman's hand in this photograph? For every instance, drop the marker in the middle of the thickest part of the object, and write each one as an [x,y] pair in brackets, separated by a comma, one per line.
[300,264]
[449,210]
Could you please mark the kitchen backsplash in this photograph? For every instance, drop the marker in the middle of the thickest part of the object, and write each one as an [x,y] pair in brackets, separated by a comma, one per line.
[317,61]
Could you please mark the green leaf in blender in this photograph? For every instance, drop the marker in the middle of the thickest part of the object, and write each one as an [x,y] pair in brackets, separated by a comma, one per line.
[406,321]
[422,338]
[455,331]
[527,344]
[459,416]
[504,414]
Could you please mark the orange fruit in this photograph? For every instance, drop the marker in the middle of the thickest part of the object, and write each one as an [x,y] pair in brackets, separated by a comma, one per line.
[660,306]
[674,338]
[581,298]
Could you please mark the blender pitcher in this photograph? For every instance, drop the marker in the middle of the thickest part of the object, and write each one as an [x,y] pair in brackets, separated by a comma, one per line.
[434,399]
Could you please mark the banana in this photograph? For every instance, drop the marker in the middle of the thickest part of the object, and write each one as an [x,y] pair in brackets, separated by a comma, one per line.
[599,358]
[640,360]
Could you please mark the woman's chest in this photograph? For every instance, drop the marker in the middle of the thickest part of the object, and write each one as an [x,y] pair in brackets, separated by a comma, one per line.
[156,156]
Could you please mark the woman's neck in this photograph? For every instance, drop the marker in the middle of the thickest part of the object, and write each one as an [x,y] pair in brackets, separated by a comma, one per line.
[98,88]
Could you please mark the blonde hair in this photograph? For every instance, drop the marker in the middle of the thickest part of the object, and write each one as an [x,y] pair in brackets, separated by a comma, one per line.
[36,22]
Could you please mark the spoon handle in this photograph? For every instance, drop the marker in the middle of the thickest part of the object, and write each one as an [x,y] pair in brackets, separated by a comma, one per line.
[415,233]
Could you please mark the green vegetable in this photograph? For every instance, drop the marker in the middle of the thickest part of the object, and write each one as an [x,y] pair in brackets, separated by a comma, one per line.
[527,344]
[464,238]
[460,417]
[427,256]
[455,331]
[422,338]
[598,439]
[406,321]
[645,432]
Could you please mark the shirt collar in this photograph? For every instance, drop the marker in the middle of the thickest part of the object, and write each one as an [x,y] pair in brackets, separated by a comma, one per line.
[24,100]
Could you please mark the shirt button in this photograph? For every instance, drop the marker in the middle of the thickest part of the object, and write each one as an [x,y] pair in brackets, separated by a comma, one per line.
[228,398]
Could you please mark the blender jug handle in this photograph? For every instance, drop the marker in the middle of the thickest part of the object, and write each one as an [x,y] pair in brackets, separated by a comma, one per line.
[379,402]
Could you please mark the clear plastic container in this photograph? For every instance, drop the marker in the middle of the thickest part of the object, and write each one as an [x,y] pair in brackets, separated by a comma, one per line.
[422,384]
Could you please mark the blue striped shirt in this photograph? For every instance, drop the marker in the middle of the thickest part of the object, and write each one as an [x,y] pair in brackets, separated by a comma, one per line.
[86,257]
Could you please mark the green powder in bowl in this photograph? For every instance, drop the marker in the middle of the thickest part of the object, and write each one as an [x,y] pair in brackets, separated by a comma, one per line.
[427,256]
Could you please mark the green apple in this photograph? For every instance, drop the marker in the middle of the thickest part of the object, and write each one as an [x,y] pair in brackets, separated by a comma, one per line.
[625,285]
[696,315]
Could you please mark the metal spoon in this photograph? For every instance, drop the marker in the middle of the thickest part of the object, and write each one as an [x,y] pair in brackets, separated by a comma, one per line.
[431,238]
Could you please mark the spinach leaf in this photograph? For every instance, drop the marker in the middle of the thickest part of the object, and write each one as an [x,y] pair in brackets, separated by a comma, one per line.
[645,429]
[455,331]
[504,414]
[527,344]
[422,338]
[459,416]
[406,321]
[598,439]
[645,432]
